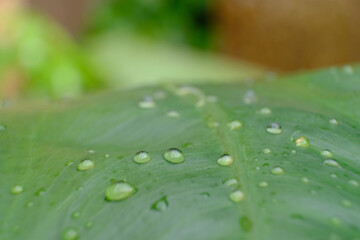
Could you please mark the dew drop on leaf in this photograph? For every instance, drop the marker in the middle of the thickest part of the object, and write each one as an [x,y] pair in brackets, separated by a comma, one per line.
[274,128]
[263,184]
[267,150]
[302,142]
[70,234]
[172,114]
[245,223]
[86,165]
[174,155]
[277,171]
[40,192]
[75,214]
[231,182]
[160,205]
[237,196]
[326,153]
[147,102]
[305,180]
[234,125]
[354,183]
[265,111]
[142,157]
[17,189]
[117,191]
[3,127]
[69,163]
[30,204]
[331,163]
[333,121]
[225,160]
[89,224]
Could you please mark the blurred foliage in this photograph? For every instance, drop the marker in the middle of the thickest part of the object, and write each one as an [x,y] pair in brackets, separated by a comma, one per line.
[186,21]
[46,62]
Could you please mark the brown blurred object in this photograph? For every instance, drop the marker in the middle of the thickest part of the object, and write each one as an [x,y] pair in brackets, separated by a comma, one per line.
[291,34]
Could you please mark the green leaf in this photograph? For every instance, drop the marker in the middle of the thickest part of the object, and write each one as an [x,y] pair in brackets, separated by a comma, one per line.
[272,190]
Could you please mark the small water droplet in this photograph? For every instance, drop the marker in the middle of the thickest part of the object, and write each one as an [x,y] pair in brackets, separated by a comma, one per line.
[212,124]
[107,155]
[231,182]
[147,102]
[267,150]
[263,184]
[17,189]
[91,151]
[69,163]
[142,157]
[354,183]
[174,155]
[225,160]
[335,221]
[86,165]
[257,168]
[326,153]
[333,175]
[302,142]
[237,196]
[40,192]
[234,125]
[249,97]
[161,204]
[172,114]
[205,194]
[265,111]
[346,203]
[3,127]
[30,204]
[75,215]
[331,163]
[89,224]
[305,180]
[277,171]
[274,128]
[246,224]
[119,190]
[293,151]
[70,234]
[333,121]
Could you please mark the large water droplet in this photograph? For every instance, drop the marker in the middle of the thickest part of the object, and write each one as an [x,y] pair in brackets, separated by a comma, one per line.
[174,155]
[265,111]
[302,142]
[246,224]
[225,160]
[86,165]
[147,102]
[117,191]
[172,114]
[234,125]
[231,182]
[161,204]
[17,189]
[326,153]
[237,196]
[263,184]
[142,157]
[70,234]
[277,171]
[331,163]
[333,121]
[274,128]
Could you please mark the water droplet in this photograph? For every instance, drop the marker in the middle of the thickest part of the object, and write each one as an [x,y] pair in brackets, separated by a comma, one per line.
[333,121]
[147,102]
[257,168]
[161,204]
[142,157]
[274,128]
[212,124]
[326,153]
[70,234]
[267,150]
[86,165]
[305,180]
[277,171]
[246,224]
[75,215]
[346,203]
[174,155]
[293,151]
[30,204]
[265,111]
[117,191]
[225,160]
[249,97]
[107,155]
[354,183]
[231,182]
[205,194]
[333,175]
[40,192]
[263,184]
[302,142]
[172,114]
[331,163]
[348,69]
[211,98]
[17,189]
[3,127]
[234,125]
[89,224]
[69,163]
[335,221]
[91,151]
[237,196]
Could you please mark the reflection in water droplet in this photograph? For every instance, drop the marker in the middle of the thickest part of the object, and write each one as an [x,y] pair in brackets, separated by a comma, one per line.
[267,150]
[161,204]
[234,125]
[75,215]
[346,203]
[86,165]
[246,224]
[265,111]
[305,180]
[277,171]
[70,234]
[147,102]
[172,114]
[302,142]
[237,196]
[331,163]
[117,191]
[274,128]
[263,184]
[17,189]
[231,182]
[333,121]
[326,153]
[225,160]
[174,155]
[142,157]
[354,183]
